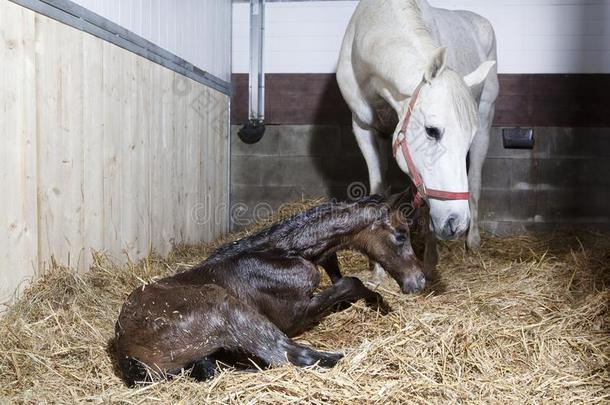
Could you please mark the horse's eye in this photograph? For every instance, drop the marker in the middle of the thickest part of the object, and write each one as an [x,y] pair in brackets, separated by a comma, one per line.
[434,133]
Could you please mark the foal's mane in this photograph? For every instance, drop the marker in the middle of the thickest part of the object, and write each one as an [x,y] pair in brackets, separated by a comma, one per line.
[329,220]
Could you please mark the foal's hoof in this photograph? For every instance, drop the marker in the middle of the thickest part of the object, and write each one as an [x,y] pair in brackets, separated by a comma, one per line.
[303,356]
[329,360]
[377,303]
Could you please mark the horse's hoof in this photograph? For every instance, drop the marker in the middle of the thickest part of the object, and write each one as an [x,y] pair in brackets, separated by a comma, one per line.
[473,241]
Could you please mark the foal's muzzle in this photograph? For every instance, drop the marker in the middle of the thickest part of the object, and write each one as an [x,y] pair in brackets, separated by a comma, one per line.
[414,284]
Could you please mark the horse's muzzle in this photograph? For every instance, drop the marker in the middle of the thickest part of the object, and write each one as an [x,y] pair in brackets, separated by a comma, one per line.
[452,228]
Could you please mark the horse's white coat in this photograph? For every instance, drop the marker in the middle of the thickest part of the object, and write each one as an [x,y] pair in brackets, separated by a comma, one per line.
[389,46]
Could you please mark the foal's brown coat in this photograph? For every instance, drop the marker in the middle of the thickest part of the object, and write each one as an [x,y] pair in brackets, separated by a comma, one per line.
[251,295]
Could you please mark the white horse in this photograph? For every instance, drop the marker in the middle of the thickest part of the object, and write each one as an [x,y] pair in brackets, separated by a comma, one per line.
[395,48]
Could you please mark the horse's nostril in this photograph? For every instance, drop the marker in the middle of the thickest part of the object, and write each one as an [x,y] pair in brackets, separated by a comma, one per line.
[451,223]
[451,226]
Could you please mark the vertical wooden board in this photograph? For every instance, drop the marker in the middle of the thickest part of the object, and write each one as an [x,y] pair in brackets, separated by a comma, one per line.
[212,139]
[224,124]
[219,156]
[195,211]
[169,155]
[208,165]
[93,148]
[113,104]
[60,126]
[227,164]
[180,91]
[157,169]
[128,143]
[220,139]
[212,146]
[163,196]
[47,77]
[18,168]
[223,176]
[8,280]
[142,155]
[71,130]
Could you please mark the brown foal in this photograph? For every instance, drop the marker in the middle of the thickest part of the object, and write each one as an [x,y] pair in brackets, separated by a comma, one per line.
[250,296]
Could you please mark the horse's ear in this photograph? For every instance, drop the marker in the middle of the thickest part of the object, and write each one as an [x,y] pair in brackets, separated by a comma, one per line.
[436,65]
[480,74]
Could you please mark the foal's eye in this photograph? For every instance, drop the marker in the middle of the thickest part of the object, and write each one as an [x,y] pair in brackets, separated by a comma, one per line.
[400,238]
[434,133]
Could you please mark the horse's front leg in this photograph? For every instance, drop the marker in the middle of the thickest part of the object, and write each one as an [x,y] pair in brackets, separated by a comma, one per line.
[345,291]
[373,148]
[477,154]
[371,145]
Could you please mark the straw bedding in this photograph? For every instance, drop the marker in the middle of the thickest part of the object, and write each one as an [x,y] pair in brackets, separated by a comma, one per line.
[524,320]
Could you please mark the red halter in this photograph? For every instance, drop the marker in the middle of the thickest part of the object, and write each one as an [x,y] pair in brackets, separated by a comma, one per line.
[423,193]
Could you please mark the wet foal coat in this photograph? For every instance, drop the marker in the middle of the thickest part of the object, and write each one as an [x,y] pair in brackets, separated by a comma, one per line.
[252,295]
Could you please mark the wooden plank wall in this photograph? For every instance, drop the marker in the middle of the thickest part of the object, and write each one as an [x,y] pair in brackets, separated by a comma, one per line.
[100,149]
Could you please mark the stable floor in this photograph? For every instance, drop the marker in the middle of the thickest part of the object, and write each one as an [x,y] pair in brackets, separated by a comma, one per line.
[525,320]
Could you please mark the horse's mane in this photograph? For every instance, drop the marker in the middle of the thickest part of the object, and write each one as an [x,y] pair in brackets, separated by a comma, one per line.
[413,11]
[461,97]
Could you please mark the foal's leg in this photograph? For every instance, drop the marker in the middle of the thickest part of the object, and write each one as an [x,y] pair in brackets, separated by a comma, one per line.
[249,330]
[345,290]
[331,266]
[203,369]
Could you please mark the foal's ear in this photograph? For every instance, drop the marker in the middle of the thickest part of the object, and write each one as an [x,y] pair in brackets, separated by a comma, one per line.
[480,74]
[387,193]
[436,65]
[401,208]
[395,201]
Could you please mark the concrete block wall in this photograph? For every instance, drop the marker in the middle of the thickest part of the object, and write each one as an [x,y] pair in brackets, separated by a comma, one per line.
[563,182]
[554,66]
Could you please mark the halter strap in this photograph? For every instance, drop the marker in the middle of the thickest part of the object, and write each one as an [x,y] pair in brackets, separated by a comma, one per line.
[423,193]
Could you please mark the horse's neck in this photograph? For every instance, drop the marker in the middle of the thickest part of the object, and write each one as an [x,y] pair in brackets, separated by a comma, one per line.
[417,46]
[424,7]
[418,17]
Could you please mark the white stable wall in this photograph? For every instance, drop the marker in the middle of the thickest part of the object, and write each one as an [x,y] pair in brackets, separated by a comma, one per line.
[195,30]
[534,36]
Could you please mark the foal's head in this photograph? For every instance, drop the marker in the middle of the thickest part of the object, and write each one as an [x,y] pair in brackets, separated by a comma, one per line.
[387,241]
